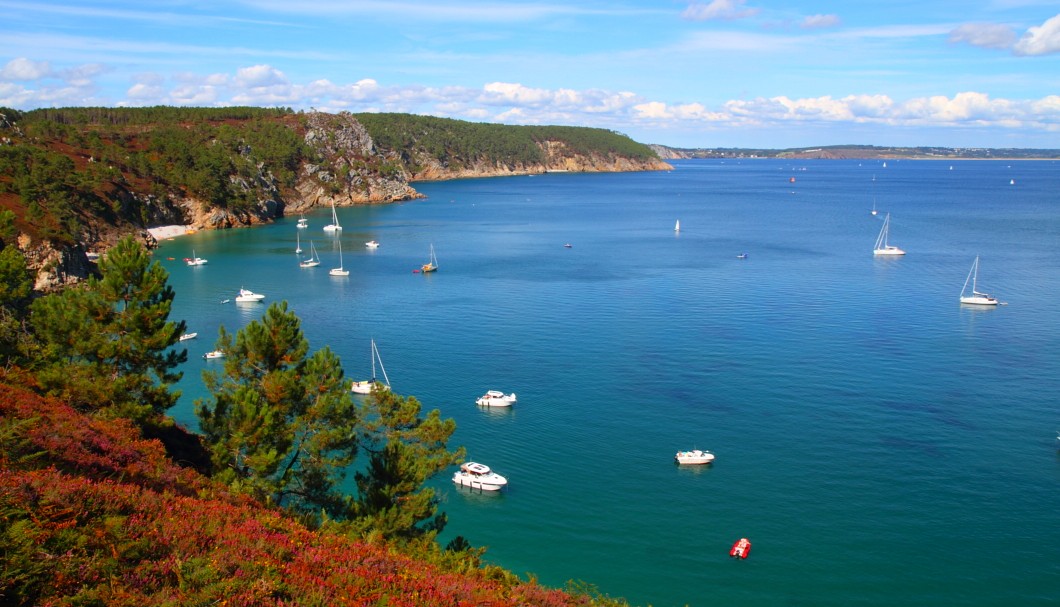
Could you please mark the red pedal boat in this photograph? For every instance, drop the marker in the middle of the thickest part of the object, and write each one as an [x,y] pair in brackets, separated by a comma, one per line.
[741,548]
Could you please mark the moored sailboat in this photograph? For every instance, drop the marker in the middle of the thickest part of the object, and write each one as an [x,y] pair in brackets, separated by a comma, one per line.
[366,386]
[976,298]
[882,247]
[432,263]
[339,271]
[313,260]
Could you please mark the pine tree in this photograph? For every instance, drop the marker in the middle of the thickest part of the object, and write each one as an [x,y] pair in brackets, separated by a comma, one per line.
[404,451]
[107,345]
[279,425]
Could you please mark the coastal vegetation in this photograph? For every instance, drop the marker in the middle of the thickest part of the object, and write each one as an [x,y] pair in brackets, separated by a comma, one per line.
[106,501]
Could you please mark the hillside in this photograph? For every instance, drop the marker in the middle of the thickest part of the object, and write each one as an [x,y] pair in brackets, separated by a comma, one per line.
[93,514]
[79,178]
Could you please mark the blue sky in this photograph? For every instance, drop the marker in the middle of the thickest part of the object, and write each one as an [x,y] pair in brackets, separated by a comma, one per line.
[702,73]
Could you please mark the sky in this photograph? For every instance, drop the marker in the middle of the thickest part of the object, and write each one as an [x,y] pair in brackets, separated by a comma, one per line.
[683,73]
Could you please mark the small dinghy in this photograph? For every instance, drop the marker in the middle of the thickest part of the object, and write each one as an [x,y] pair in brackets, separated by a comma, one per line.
[741,549]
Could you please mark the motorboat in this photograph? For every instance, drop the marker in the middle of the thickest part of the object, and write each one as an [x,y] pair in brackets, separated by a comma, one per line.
[742,256]
[303,222]
[187,336]
[496,398]
[695,456]
[213,354]
[741,548]
[246,295]
[371,244]
[479,476]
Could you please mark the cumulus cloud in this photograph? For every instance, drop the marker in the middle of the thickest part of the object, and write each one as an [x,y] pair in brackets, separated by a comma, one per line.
[718,9]
[260,76]
[1042,40]
[985,35]
[819,21]
[25,70]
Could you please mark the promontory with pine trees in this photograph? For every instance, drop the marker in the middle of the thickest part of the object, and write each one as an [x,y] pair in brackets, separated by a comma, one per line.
[290,491]
[77,179]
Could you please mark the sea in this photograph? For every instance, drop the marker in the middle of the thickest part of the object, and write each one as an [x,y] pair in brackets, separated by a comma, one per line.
[878,442]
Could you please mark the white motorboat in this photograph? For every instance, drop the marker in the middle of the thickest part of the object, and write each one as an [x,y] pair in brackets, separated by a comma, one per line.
[695,456]
[303,222]
[371,244]
[496,398]
[479,476]
[366,386]
[214,354]
[246,295]
[187,336]
[976,298]
[882,248]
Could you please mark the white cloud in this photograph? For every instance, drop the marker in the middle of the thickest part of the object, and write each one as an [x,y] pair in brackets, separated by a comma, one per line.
[985,35]
[1043,40]
[25,70]
[260,76]
[820,21]
[718,9]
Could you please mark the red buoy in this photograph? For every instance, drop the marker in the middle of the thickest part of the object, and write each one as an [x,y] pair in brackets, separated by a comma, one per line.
[741,548]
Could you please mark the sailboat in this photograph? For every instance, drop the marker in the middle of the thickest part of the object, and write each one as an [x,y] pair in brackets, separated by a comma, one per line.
[313,260]
[432,264]
[334,225]
[339,271]
[677,226]
[366,386]
[302,221]
[976,298]
[873,194]
[882,248]
[298,242]
[195,260]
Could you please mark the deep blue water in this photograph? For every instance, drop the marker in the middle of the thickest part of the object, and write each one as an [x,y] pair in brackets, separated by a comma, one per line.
[878,442]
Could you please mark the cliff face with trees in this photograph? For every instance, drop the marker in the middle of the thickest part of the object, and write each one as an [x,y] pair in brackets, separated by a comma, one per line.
[77,179]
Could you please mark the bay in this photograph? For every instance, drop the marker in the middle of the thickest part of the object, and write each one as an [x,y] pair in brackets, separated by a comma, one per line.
[878,442]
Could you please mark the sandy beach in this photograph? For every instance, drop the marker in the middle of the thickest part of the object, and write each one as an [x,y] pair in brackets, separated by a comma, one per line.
[164,232]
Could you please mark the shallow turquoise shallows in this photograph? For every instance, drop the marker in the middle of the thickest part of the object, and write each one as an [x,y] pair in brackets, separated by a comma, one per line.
[878,442]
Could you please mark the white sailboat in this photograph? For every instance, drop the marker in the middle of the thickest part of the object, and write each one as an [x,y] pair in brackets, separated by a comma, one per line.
[195,260]
[873,194]
[339,271]
[334,225]
[298,242]
[302,221]
[432,263]
[313,259]
[882,248]
[976,298]
[677,226]
[366,386]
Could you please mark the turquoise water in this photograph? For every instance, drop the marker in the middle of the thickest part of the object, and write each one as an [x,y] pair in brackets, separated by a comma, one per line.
[878,443]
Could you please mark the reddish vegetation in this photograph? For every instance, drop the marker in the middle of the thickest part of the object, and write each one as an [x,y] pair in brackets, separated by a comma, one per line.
[96,515]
